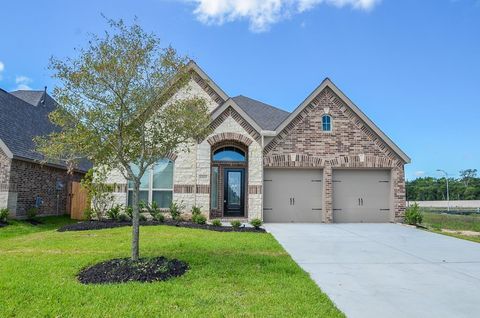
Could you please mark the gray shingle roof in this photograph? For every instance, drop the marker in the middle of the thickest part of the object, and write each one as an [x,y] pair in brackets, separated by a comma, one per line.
[20,122]
[266,116]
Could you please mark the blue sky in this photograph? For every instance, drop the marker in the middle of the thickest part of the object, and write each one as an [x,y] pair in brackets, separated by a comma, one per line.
[412,66]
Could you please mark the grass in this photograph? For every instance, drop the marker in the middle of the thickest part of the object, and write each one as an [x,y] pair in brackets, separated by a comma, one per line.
[435,222]
[231,275]
[460,236]
[452,222]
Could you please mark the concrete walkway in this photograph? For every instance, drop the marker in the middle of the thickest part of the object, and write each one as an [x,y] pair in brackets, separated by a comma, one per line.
[387,270]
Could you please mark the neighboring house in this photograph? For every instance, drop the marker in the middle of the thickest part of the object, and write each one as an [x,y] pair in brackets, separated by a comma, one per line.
[324,162]
[23,116]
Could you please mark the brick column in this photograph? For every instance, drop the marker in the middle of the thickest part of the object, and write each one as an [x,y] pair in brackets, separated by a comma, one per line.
[398,181]
[327,194]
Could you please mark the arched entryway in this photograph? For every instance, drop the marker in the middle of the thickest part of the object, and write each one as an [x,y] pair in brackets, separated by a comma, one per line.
[228,195]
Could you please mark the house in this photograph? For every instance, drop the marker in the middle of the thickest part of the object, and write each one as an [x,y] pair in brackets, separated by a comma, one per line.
[24,179]
[324,162]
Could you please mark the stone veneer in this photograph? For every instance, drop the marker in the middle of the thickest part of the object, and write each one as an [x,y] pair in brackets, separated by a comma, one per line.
[191,176]
[350,144]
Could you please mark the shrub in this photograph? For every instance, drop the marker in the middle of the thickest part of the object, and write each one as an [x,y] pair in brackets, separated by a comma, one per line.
[256,223]
[142,218]
[155,211]
[216,222]
[235,224]
[196,210]
[159,217]
[99,193]
[4,215]
[197,213]
[413,215]
[32,213]
[88,214]
[176,210]
[199,219]
[114,212]
[129,212]
[123,218]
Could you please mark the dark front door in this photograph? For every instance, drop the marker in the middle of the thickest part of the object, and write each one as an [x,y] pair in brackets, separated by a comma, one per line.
[234,192]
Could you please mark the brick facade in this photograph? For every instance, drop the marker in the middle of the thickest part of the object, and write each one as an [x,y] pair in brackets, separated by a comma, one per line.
[29,179]
[350,144]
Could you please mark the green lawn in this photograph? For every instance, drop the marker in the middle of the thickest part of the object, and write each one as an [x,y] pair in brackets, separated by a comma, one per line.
[452,222]
[435,222]
[231,275]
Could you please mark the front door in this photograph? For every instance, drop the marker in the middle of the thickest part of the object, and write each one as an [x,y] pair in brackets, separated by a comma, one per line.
[234,192]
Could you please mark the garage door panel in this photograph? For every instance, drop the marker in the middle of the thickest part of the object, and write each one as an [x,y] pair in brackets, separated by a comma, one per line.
[361,196]
[293,195]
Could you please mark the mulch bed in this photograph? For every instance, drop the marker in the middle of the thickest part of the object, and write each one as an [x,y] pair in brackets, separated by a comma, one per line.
[34,221]
[124,270]
[109,224]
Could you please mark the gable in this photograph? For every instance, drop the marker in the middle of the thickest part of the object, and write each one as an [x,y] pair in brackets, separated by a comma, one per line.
[230,115]
[351,135]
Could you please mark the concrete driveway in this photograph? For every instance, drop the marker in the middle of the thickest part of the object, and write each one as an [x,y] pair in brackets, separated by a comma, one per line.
[387,270]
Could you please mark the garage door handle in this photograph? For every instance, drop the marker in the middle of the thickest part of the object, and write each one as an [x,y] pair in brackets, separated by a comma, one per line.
[293,201]
[290,201]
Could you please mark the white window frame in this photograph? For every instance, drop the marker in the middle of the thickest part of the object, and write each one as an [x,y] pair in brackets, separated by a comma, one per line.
[331,123]
[150,188]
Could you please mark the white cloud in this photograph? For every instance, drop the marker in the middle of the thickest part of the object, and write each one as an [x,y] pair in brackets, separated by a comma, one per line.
[419,174]
[22,82]
[2,67]
[261,14]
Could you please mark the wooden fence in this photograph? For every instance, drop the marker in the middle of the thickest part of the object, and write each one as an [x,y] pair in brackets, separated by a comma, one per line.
[78,200]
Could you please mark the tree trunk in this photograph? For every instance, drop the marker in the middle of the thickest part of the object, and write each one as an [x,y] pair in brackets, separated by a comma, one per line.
[135,221]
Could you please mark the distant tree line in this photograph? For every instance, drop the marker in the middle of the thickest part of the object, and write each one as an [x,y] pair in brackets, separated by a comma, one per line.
[467,187]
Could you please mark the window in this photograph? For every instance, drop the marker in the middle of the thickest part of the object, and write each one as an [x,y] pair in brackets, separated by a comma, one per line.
[156,184]
[214,188]
[326,123]
[229,154]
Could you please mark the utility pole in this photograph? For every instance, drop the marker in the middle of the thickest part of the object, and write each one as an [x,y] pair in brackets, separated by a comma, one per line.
[448,195]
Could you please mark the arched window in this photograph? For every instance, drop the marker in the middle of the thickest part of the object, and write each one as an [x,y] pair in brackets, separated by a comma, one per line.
[156,184]
[229,153]
[326,123]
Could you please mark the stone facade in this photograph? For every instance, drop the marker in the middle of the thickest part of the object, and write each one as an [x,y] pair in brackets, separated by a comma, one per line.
[350,144]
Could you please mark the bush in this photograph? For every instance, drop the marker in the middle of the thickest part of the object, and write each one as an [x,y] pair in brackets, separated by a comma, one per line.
[4,215]
[155,211]
[216,222]
[32,213]
[142,218]
[129,212]
[114,212]
[196,210]
[88,214]
[413,215]
[199,219]
[256,223]
[123,218]
[197,216]
[235,224]
[159,217]
[176,210]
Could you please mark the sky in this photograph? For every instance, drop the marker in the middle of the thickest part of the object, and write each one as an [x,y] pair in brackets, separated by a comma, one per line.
[412,66]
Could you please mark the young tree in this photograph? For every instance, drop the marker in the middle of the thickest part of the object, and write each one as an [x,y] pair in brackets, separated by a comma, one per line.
[467,175]
[115,107]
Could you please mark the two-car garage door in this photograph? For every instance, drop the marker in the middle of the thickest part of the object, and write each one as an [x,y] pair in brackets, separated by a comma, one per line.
[296,195]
